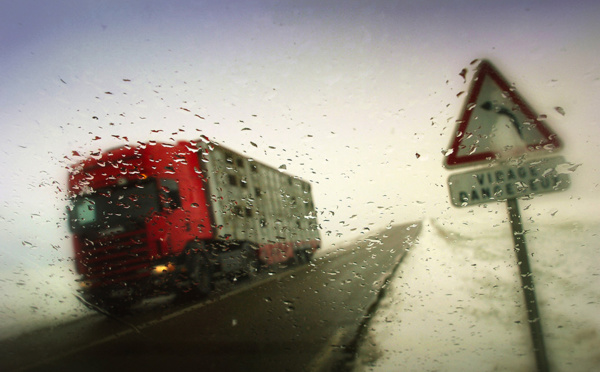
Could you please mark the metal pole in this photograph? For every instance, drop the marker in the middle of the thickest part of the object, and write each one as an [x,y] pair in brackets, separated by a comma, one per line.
[533,316]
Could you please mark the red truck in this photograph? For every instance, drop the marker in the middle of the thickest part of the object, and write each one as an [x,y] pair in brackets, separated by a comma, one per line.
[156,216]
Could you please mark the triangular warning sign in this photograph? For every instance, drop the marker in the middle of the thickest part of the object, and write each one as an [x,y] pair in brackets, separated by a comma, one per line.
[496,123]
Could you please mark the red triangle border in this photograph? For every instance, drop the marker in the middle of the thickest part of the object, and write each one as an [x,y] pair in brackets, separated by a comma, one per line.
[483,69]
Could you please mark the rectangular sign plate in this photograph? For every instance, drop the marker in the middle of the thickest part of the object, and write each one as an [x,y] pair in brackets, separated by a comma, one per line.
[507,181]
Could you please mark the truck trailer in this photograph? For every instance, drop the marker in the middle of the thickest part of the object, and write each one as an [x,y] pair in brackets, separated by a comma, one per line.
[155,217]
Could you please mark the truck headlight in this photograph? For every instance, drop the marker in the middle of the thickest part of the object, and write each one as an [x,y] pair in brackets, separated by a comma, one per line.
[163,269]
[85,284]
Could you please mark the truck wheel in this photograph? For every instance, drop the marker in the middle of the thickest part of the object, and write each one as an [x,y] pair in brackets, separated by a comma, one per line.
[307,256]
[200,274]
[299,257]
[251,260]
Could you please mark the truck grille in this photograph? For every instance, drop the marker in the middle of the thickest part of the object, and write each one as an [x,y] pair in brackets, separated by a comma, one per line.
[115,258]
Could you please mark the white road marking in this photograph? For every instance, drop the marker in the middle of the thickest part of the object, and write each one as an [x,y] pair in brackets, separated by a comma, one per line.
[320,362]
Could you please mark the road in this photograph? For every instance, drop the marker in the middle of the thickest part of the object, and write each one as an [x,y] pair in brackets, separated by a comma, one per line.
[304,318]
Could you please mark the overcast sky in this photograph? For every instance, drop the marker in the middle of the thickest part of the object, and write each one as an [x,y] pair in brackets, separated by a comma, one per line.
[360,98]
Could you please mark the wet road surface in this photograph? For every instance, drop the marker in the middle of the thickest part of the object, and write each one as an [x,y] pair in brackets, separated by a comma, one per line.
[303,318]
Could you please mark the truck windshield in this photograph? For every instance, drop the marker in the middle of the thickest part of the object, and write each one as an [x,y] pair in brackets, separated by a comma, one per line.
[116,206]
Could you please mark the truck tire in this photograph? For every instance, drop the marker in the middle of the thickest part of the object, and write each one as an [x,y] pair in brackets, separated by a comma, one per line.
[200,272]
[299,257]
[303,256]
[308,254]
[251,264]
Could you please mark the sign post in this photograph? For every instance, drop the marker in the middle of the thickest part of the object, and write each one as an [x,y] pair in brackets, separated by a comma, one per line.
[533,314]
[498,128]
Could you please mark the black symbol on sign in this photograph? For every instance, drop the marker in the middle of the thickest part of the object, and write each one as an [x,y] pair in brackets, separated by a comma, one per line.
[501,110]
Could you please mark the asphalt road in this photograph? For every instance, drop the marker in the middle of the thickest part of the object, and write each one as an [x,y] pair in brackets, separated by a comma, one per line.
[303,318]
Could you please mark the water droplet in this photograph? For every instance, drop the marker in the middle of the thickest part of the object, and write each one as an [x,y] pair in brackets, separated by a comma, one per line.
[463,74]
